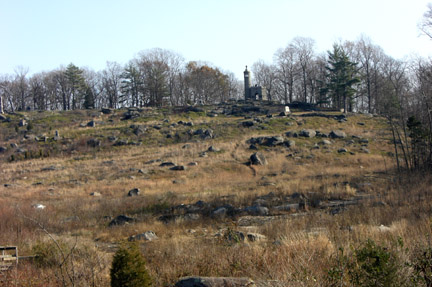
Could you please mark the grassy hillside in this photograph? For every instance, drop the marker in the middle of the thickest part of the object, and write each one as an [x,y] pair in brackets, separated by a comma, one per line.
[314,196]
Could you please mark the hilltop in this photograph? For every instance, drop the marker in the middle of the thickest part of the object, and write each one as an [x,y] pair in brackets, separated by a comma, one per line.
[238,189]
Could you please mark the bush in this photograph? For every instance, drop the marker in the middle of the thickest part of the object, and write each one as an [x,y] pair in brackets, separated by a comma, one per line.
[422,265]
[369,265]
[374,266]
[128,267]
[48,254]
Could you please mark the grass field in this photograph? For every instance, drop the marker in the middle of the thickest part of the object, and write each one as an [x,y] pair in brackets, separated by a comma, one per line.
[337,200]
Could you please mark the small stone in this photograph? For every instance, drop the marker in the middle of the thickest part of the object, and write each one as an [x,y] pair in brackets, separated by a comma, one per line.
[178,167]
[147,236]
[134,192]
[213,149]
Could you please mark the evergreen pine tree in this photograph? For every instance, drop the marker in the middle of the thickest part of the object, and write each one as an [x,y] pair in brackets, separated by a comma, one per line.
[76,84]
[128,267]
[341,78]
[89,99]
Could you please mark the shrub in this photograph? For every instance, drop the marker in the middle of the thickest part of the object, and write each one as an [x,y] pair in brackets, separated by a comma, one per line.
[128,267]
[422,265]
[369,265]
[374,266]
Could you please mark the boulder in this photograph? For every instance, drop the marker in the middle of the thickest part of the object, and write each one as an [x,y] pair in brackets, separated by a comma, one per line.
[3,149]
[269,141]
[215,282]
[22,123]
[289,143]
[91,124]
[93,142]
[167,163]
[325,142]
[342,150]
[138,130]
[121,220]
[337,134]
[258,159]
[213,149]
[131,114]
[134,192]
[248,124]
[147,236]
[257,210]
[253,237]
[308,133]
[178,167]
[291,134]
[107,111]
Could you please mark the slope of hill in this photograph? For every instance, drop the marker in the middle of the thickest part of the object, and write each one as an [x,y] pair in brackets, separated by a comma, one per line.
[185,184]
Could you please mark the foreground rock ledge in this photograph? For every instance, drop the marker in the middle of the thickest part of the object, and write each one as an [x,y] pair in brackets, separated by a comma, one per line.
[215,282]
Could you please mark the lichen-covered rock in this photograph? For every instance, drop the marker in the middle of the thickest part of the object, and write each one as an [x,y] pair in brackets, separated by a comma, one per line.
[215,282]
[258,159]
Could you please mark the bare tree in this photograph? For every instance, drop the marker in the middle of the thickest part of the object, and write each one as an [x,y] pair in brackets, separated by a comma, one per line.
[426,24]
[286,72]
[304,49]
[265,75]
[21,86]
[111,83]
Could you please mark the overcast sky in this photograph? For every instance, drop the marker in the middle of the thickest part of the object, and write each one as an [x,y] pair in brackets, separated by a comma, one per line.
[44,34]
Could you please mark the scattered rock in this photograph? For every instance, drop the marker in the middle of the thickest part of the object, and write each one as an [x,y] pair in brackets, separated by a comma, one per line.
[248,124]
[147,236]
[193,163]
[51,168]
[269,141]
[178,167]
[337,134]
[325,142]
[289,143]
[215,282]
[138,130]
[38,206]
[253,147]
[131,114]
[107,111]
[91,124]
[3,149]
[308,133]
[213,149]
[167,163]
[258,159]
[257,210]
[93,142]
[342,150]
[121,220]
[134,192]
[364,149]
[22,123]
[253,237]
[96,194]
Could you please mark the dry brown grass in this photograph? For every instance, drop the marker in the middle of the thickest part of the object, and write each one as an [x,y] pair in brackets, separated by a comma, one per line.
[299,246]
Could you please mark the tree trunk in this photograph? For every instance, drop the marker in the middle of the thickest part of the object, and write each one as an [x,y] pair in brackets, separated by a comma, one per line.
[1,105]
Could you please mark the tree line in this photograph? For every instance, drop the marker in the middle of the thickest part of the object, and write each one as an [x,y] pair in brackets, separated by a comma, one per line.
[156,77]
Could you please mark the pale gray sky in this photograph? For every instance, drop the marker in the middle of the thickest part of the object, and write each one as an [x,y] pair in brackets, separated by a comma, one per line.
[44,34]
